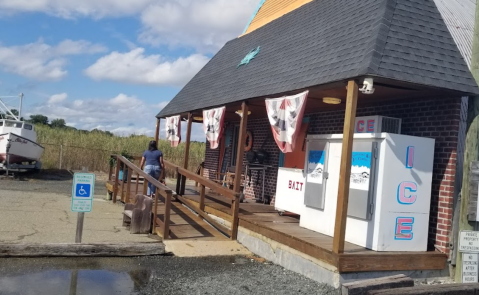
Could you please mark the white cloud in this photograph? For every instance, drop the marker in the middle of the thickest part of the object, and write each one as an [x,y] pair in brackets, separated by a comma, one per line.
[122,114]
[75,8]
[202,24]
[56,98]
[43,62]
[137,68]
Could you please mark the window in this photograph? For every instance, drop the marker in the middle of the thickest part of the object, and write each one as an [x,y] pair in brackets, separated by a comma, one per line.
[13,124]
[1,123]
[28,126]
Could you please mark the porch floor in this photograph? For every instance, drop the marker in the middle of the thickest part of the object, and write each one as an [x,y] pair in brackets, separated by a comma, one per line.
[265,220]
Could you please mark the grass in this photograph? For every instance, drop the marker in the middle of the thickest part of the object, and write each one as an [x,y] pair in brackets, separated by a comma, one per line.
[93,149]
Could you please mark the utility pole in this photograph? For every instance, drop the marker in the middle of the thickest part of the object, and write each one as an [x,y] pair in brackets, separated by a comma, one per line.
[471,152]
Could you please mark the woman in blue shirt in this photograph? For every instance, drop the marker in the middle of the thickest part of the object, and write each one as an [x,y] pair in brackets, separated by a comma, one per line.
[153,161]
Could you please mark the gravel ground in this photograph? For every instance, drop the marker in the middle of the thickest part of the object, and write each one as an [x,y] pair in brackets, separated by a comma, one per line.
[153,275]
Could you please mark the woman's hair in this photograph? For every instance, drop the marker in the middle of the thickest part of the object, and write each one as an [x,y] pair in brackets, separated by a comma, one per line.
[152,146]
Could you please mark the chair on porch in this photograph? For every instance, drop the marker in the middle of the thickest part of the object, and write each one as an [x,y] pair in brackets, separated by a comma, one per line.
[138,215]
[227,180]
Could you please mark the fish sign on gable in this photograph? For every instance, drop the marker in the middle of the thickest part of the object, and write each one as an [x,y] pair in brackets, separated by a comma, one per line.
[250,56]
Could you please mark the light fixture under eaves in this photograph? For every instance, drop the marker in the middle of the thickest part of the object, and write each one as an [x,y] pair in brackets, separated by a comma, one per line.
[198,118]
[331,100]
[240,113]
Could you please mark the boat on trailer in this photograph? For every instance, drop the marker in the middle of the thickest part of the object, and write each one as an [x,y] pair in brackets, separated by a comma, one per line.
[18,147]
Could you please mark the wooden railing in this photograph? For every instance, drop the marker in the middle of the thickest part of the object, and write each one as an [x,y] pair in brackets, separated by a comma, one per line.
[207,183]
[161,192]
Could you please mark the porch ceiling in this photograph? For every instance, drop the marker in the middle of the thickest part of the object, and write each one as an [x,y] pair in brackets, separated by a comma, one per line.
[385,90]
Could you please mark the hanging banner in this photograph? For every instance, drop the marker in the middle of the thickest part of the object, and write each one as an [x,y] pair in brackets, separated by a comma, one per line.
[213,125]
[173,130]
[285,115]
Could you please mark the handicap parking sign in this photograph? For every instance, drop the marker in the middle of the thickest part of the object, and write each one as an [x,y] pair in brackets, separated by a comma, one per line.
[82,190]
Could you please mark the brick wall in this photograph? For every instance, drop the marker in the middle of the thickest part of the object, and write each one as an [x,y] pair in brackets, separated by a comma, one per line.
[262,138]
[435,118]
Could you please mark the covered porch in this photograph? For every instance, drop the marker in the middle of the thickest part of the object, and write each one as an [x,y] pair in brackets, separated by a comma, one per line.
[264,219]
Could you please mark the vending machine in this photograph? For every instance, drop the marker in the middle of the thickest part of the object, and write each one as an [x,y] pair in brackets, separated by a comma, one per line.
[389,195]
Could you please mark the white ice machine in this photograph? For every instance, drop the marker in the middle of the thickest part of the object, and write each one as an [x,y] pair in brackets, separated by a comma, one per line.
[390,189]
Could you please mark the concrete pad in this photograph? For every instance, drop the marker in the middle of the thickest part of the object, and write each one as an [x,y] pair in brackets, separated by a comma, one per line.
[42,218]
[200,248]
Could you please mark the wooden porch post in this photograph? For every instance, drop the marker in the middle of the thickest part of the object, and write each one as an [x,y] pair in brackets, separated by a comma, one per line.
[239,169]
[187,151]
[345,169]
[241,146]
[157,133]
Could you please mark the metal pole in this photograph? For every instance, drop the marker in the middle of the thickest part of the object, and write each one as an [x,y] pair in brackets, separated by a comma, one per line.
[20,108]
[61,155]
[9,144]
[81,217]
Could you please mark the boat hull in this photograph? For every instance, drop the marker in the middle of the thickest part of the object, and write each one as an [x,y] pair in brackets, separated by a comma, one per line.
[21,149]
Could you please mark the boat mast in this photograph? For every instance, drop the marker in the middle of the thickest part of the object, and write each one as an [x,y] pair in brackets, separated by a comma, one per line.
[7,111]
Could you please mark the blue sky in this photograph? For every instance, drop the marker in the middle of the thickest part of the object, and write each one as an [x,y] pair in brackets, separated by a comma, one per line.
[110,64]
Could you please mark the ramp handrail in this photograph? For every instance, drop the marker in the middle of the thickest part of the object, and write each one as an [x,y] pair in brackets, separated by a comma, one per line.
[204,183]
[161,190]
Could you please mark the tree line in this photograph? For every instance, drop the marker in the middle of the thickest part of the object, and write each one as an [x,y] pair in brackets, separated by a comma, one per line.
[39,119]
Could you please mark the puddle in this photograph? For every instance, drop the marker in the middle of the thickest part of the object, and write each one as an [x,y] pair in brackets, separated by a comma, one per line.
[76,282]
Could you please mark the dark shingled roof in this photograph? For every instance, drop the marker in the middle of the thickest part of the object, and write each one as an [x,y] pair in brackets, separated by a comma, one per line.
[332,40]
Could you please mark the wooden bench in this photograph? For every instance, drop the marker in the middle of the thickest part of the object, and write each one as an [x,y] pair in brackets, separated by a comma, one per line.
[138,215]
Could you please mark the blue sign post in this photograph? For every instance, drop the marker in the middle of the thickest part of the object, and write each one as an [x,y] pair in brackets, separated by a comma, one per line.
[82,198]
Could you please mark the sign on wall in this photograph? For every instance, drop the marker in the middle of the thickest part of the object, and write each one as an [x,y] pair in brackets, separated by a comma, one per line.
[470,267]
[469,241]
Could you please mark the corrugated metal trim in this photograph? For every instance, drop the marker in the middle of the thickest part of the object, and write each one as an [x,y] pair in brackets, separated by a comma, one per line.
[459,16]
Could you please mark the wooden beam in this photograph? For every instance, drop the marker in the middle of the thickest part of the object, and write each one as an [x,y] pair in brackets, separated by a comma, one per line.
[157,133]
[81,250]
[241,146]
[166,228]
[202,197]
[155,211]
[187,151]
[345,168]
[115,186]
[235,206]
[128,186]
[204,181]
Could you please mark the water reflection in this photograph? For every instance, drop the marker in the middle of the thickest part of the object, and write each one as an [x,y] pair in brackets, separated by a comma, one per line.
[75,282]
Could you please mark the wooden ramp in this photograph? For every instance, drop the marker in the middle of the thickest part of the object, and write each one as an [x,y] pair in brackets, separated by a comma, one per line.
[184,224]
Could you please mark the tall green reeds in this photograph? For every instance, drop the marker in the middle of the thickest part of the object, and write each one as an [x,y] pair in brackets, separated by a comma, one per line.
[76,149]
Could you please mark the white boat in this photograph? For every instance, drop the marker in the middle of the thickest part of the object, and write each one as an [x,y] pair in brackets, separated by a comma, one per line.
[18,144]
[18,141]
